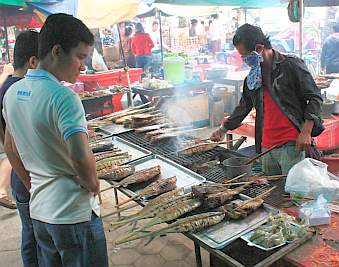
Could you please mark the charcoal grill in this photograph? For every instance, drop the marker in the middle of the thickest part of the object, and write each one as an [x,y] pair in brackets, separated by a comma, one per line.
[168,148]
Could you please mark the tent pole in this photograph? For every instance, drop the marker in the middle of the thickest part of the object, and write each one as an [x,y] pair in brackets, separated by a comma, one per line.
[129,93]
[161,47]
[301,26]
[6,40]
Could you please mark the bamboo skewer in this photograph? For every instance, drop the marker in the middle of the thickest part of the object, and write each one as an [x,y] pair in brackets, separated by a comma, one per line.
[235,178]
[261,196]
[120,210]
[207,143]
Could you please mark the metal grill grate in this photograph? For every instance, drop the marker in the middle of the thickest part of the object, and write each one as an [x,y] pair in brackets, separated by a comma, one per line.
[168,149]
[276,198]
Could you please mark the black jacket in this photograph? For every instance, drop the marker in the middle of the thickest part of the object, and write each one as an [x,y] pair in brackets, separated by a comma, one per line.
[292,88]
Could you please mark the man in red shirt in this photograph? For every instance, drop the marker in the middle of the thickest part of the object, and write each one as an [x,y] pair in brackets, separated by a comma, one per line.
[286,99]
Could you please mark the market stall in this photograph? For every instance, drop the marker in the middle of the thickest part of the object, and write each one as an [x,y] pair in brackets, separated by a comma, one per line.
[218,240]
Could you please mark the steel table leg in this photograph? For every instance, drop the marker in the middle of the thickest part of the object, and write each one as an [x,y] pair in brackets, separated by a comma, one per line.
[197,254]
[116,200]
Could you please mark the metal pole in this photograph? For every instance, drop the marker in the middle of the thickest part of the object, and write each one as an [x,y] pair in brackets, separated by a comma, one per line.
[129,94]
[161,48]
[6,39]
[301,25]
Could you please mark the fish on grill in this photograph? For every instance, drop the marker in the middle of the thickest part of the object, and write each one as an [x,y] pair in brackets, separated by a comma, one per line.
[112,161]
[154,207]
[140,176]
[101,146]
[156,188]
[193,223]
[151,128]
[154,133]
[198,148]
[116,173]
[173,212]
[214,200]
[129,115]
[241,209]
[108,154]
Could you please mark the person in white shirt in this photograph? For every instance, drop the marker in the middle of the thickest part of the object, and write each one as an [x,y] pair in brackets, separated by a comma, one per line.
[47,144]
[215,34]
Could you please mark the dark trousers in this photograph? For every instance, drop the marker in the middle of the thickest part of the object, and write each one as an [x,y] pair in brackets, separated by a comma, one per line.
[71,245]
[28,242]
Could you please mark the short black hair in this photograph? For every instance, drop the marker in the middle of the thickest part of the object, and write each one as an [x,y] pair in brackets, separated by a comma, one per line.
[336,27]
[155,23]
[139,28]
[65,30]
[250,35]
[26,46]
[128,31]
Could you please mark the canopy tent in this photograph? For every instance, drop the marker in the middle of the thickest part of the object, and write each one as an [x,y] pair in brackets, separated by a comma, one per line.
[153,12]
[241,3]
[19,3]
[106,12]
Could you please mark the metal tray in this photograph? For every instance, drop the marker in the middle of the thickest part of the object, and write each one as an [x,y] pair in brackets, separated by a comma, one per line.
[114,129]
[135,151]
[185,177]
[222,234]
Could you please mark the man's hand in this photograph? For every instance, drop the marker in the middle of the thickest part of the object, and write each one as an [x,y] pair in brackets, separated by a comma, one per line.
[218,135]
[82,184]
[304,139]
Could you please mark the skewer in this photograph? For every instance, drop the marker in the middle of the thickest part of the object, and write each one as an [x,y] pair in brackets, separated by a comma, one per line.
[261,196]
[207,143]
[235,178]
[120,210]
[107,188]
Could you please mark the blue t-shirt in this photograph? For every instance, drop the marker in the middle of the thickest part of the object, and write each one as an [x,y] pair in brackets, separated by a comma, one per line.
[18,188]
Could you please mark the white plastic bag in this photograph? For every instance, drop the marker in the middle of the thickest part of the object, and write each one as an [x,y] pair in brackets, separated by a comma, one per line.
[315,212]
[310,178]
[97,62]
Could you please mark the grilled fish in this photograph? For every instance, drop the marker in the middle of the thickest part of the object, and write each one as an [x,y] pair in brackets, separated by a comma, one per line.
[198,148]
[173,212]
[217,199]
[193,223]
[101,146]
[116,173]
[151,128]
[140,176]
[154,207]
[112,161]
[109,154]
[156,188]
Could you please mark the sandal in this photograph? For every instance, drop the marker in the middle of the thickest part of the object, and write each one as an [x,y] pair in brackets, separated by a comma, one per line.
[7,203]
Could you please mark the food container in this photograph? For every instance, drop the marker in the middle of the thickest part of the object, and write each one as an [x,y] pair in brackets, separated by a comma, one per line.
[236,166]
[174,69]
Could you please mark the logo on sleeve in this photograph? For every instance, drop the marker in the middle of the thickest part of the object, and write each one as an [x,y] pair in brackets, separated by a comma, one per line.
[23,95]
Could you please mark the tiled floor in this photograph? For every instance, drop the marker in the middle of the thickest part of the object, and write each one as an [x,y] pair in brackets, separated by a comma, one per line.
[174,250]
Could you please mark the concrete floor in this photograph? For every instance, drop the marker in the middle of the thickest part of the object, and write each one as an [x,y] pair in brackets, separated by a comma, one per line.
[174,250]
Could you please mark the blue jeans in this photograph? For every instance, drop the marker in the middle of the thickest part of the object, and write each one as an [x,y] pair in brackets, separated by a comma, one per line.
[28,242]
[144,61]
[71,245]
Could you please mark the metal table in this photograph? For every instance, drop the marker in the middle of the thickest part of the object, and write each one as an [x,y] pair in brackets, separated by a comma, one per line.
[236,82]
